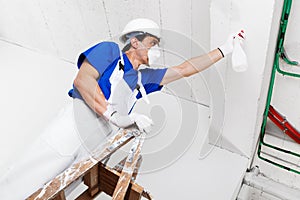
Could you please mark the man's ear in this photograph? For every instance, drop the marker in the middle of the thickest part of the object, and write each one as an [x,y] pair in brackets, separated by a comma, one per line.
[134,42]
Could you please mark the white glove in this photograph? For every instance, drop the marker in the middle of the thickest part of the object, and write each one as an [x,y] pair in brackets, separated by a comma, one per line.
[143,122]
[121,121]
[227,47]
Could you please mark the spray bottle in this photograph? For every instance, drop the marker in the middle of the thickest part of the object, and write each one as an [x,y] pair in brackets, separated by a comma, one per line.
[239,58]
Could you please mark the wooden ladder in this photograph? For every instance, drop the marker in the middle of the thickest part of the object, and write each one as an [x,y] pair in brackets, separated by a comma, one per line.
[118,182]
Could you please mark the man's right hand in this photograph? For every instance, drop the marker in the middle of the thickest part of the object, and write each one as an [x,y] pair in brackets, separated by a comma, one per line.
[227,47]
[142,122]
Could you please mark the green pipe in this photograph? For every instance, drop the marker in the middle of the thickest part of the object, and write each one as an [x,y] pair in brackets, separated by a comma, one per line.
[279,165]
[282,150]
[287,73]
[290,62]
[280,39]
[279,50]
[283,25]
[286,58]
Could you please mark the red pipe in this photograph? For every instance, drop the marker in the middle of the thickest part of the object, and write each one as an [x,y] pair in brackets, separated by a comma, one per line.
[283,124]
[284,129]
[284,121]
[276,121]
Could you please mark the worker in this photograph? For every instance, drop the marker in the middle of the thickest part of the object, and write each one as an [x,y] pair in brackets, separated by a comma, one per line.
[105,90]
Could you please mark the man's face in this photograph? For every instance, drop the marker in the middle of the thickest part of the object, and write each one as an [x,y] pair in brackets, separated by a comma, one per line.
[144,46]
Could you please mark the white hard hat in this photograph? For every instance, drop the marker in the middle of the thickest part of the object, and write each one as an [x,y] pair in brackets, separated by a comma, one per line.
[141,25]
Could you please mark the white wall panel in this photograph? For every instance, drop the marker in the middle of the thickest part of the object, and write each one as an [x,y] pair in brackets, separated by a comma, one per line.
[62,28]
[24,23]
[200,35]
[120,12]
[242,89]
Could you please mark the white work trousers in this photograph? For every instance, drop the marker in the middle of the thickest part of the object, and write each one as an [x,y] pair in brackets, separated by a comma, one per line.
[74,133]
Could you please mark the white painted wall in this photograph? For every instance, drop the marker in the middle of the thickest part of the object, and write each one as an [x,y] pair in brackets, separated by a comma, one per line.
[65,27]
[61,28]
[242,90]
[246,92]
